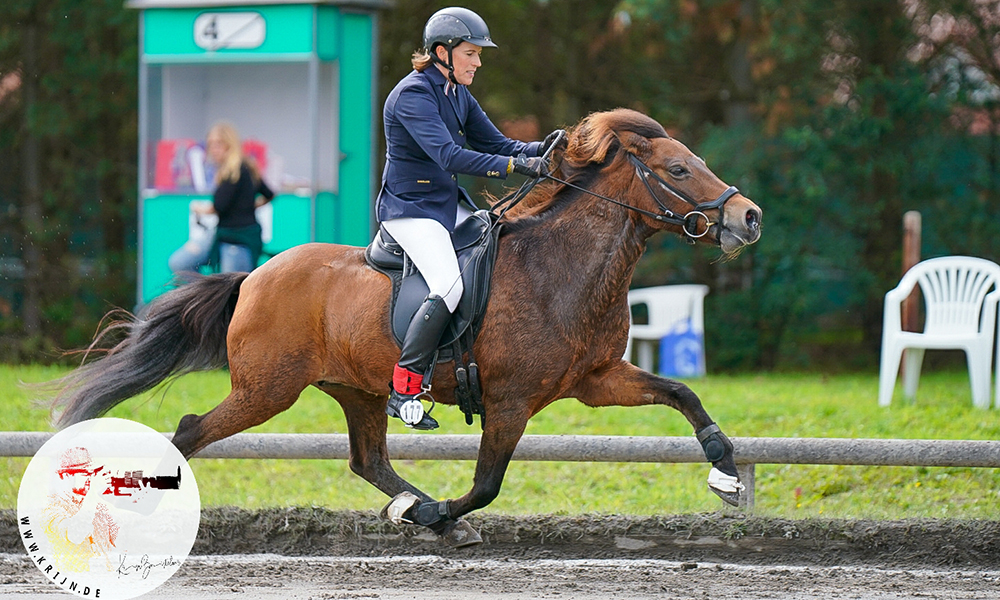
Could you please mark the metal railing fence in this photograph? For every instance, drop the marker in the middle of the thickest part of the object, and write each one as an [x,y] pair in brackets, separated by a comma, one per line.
[594,448]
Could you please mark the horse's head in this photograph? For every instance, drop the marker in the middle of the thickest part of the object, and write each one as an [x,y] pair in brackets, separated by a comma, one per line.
[660,179]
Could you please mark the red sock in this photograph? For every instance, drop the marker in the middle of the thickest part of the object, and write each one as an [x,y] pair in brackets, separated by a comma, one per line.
[405,381]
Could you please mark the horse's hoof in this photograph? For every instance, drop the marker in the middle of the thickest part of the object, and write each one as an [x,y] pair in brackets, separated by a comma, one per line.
[732,498]
[461,535]
[398,509]
[725,486]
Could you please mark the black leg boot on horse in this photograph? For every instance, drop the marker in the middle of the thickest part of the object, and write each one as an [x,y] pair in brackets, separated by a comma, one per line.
[419,347]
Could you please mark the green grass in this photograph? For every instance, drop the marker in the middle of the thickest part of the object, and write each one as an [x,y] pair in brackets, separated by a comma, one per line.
[802,405]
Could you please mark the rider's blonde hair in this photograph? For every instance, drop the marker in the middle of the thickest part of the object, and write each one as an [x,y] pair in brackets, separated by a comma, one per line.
[421,59]
[229,169]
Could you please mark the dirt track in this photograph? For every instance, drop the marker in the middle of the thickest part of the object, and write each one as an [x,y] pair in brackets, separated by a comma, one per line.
[317,554]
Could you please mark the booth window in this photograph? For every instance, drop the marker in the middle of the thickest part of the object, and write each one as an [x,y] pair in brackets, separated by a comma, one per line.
[269,105]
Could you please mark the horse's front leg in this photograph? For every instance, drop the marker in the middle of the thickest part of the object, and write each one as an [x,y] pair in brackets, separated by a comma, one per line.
[366,427]
[624,384]
[502,431]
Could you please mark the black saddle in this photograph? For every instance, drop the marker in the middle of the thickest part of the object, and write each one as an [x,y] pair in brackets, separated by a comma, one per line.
[475,242]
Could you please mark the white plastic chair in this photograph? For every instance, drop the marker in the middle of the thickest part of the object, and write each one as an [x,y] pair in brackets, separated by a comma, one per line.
[667,305]
[960,312]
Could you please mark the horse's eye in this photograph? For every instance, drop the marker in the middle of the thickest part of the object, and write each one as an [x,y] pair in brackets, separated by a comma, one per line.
[677,171]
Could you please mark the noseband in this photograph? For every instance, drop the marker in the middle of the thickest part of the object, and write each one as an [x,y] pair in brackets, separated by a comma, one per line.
[688,221]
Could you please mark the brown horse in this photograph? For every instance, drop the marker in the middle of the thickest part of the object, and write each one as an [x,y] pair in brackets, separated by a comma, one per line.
[555,327]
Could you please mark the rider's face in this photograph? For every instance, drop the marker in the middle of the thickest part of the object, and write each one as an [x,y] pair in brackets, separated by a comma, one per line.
[465,58]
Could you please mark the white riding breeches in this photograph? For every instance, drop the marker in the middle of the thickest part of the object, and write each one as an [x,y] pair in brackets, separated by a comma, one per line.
[428,244]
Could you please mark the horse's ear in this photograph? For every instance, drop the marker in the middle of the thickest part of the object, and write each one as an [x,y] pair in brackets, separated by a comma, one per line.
[635,144]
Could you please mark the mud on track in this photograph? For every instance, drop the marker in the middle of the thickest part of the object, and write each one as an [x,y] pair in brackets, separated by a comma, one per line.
[318,554]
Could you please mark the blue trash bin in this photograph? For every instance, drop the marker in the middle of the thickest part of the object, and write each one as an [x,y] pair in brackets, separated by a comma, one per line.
[682,351]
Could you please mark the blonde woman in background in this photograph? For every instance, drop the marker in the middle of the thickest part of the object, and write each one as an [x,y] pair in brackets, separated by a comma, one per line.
[239,191]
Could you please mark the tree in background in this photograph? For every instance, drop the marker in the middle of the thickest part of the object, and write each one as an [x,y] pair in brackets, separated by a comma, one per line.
[836,116]
[840,128]
[557,60]
[70,130]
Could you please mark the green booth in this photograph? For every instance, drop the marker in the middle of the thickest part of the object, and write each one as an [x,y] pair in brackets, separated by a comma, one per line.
[296,78]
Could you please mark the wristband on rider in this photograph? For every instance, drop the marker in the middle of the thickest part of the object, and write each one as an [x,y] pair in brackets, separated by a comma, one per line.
[510,165]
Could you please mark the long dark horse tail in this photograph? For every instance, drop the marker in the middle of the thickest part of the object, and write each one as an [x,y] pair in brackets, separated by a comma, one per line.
[182,331]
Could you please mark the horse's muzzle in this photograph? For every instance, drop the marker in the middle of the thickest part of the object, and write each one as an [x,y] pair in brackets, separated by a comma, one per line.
[740,225]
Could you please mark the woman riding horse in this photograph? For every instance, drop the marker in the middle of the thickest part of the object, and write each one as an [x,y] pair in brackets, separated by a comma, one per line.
[555,327]
[429,118]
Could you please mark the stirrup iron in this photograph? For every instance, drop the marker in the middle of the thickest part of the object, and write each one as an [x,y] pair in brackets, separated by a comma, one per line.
[410,410]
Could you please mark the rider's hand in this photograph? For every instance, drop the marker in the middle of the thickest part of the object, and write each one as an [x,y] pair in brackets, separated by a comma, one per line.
[532,166]
[551,139]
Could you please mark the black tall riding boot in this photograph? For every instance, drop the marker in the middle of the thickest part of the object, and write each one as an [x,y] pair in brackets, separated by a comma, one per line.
[421,341]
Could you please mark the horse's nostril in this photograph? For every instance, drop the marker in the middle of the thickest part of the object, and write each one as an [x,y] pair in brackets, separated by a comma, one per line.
[753,219]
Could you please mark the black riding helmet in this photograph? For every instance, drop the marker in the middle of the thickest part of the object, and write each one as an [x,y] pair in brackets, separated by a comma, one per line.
[450,27]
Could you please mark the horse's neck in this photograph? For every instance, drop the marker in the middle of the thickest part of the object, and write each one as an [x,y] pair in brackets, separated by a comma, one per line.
[590,247]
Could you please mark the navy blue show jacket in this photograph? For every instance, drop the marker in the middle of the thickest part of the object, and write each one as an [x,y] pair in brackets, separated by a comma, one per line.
[426,134]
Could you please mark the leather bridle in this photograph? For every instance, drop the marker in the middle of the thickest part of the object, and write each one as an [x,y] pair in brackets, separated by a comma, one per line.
[689,220]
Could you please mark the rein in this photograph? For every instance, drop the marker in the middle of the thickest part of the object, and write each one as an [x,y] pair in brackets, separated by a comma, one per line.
[688,222]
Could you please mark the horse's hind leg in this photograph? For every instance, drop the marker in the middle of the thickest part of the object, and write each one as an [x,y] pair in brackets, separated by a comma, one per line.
[366,428]
[253,400]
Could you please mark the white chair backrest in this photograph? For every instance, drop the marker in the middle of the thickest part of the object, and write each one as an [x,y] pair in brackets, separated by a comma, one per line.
[954,288]
[670,304]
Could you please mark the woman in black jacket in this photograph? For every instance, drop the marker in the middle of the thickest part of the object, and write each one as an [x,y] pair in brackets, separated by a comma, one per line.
[239,191]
